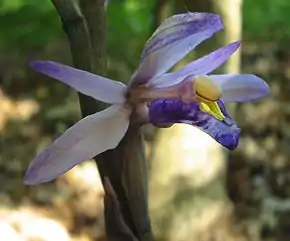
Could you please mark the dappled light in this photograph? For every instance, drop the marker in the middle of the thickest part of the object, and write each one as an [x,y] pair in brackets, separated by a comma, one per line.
[198,189]
[18,110]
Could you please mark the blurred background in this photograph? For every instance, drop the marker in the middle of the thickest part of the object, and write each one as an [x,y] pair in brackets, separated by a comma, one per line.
[198,191]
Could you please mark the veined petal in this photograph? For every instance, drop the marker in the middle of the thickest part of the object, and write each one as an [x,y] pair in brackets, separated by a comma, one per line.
[181,24]
[165,112]
[89,137]
[241,87]
[201,66]
[174,39]
[98,87]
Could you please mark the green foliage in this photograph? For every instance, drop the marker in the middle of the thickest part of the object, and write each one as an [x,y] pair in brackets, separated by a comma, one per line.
[26,24]
[129,26]
[266,19]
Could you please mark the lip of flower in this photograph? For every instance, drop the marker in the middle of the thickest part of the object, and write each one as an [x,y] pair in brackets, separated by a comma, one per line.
[102,131]
[166,112]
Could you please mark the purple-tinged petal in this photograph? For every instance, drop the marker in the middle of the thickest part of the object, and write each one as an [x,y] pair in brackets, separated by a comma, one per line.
[241,87]
[89,137]
[174,39]
[201,66]
[165,112]
[98,87]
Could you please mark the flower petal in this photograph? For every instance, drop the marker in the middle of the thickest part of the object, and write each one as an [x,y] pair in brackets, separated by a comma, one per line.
[165,112]
[201,66]
[174,39]
[98,87]
[89,137]
[241,87]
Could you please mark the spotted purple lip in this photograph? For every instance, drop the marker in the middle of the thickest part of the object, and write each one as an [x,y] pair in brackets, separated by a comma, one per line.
[165,112]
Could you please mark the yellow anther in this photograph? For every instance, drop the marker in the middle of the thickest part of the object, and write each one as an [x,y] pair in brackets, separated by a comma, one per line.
[210,107]
[206,88]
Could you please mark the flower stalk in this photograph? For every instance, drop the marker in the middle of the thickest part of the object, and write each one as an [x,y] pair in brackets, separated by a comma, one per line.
[123,170]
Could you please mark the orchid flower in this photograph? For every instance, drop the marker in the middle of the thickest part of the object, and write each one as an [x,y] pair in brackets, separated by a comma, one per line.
[188,95]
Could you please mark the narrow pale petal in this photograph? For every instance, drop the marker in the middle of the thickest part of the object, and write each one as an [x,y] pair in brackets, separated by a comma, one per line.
[174,39]
[241,87]
[89,137]
[201,66]
[98,87]
[165,112]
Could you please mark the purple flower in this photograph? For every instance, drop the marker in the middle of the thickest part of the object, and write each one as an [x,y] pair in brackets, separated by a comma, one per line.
[188,95]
